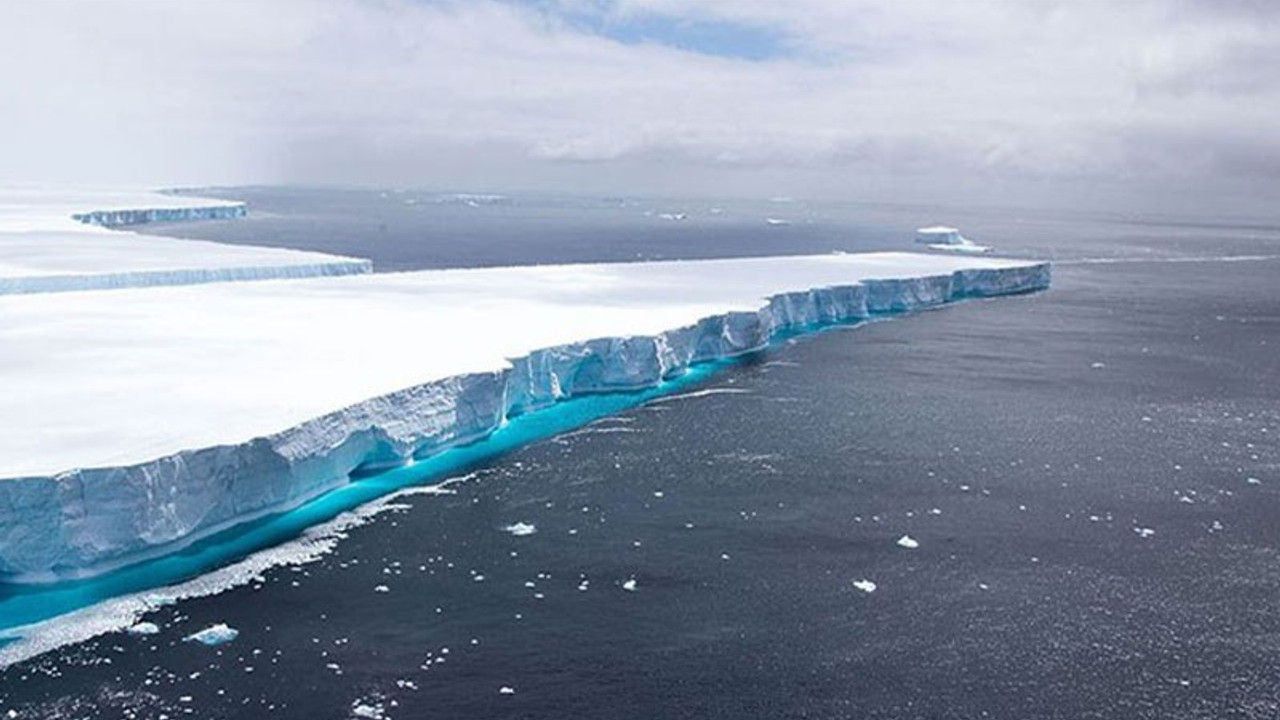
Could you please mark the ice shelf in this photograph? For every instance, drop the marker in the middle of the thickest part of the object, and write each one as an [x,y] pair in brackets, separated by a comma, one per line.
[61,241]
[133,421]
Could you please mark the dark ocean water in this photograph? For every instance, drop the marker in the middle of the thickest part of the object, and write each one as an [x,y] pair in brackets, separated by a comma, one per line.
[1092,475]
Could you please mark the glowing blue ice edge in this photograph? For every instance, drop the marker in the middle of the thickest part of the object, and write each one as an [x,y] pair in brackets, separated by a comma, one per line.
[27,604]
[24,604]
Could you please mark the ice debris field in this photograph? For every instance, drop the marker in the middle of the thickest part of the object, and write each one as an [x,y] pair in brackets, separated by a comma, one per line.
[135,420]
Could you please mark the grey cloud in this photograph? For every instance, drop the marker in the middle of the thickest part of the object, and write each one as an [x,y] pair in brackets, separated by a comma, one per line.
[1007,93]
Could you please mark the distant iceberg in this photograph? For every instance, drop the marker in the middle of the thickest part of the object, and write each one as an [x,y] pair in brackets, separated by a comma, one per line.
[470,199]
[948,239]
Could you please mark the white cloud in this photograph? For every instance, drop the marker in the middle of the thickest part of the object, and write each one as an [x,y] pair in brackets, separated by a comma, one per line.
[398,91]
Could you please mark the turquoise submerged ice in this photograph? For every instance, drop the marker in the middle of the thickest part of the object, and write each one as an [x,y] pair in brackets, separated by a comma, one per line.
[136,421]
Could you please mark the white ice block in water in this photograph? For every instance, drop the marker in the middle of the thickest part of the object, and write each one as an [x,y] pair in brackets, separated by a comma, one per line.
[143,628]
[948,239]
[134,421]
[939,235]
[214,635]
[60,241]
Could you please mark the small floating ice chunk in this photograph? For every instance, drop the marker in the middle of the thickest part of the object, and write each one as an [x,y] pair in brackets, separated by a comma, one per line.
[1253,481]
[630,585]
[143,628]
[908,542]
[521,529]
[214,635]
[382,589]
[506,690]
[1144,532]
[865,586]
[368,712]
[1097,365]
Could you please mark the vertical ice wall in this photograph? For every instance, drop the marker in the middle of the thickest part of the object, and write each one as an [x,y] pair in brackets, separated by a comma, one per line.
[119,218]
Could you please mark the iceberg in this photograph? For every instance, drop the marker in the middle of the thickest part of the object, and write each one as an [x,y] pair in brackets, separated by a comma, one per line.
[214,635]
[948,239]
[135,421]
[49,243]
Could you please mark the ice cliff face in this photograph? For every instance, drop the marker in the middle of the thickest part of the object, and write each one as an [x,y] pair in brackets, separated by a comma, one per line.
[87,521]
[121,218]
[184,276]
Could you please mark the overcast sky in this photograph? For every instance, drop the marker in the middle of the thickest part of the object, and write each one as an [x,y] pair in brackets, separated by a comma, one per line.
[1162,103]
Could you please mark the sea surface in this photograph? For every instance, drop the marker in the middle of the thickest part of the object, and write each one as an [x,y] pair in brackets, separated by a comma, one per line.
[1068,503]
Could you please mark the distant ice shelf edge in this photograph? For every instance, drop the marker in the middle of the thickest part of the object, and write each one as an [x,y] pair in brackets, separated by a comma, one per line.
[89,521]
[129,217]
[140,216]
[187,276]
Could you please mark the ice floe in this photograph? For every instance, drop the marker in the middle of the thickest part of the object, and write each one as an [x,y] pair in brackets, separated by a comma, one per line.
[214,635]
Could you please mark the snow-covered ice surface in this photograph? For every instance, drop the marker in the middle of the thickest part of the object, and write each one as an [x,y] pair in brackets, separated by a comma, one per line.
[137,419]
[61,241]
